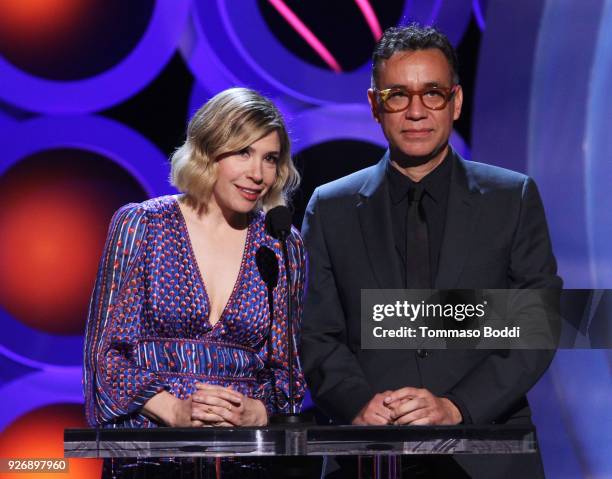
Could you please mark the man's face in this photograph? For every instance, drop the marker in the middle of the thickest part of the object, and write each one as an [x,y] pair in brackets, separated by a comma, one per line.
[416,132]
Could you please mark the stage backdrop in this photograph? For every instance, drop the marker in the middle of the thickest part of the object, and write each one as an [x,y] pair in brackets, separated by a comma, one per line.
[95,95]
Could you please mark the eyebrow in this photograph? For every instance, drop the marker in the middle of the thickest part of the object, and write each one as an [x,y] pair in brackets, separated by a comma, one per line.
[431,84]
[271,152]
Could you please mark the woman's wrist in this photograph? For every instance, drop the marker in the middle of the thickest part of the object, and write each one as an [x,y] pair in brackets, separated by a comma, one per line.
[257,410]
[167,409]
[181,413]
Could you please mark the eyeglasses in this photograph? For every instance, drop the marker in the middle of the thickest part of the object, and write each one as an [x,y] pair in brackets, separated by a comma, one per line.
[399,99]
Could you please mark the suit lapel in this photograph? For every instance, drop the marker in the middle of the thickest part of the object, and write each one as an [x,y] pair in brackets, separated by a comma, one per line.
[461,217]
[374,213]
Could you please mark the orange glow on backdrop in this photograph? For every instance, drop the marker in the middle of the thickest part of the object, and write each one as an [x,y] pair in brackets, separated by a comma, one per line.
[38,21]
[53,233]
[40,433]
[50,243]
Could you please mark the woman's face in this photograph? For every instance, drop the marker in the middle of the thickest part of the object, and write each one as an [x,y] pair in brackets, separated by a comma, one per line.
[243,178]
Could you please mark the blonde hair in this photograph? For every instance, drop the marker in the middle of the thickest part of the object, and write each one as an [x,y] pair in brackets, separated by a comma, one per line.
[229,122]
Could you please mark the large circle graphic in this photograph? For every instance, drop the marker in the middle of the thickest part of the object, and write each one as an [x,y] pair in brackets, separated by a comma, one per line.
[559,134]
[40,434]
[70,203]
[87,88]
[231,44]
[52,234]
[38,389]
[364,20]
[551,122]
[598,153]
[68,40]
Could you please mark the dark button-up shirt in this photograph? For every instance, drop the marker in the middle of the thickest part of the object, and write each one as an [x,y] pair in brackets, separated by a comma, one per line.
[435,200]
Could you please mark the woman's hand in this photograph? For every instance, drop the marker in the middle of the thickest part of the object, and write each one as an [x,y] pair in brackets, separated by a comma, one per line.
[182,414]
[167,409]
[219,406]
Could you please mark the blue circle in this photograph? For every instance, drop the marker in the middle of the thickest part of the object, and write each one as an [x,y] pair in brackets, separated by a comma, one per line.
[113,140]
[334,122]
[109,88]
[597,152]
[231,44]
[38,389]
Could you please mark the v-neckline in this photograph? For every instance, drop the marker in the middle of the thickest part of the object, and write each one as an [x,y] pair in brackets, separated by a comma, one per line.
[199,275]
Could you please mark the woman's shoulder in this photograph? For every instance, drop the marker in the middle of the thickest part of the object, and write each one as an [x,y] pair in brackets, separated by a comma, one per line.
[147,209]
[296,235]
[298,242]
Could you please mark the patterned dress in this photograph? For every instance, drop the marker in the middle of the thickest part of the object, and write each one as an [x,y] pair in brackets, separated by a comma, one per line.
[148,328]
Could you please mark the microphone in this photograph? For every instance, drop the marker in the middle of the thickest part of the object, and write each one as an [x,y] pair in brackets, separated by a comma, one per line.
[267,265]
[278,225]
[278,222]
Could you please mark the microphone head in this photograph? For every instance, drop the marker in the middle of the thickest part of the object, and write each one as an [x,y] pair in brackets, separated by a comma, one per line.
[267,265]
[278,222]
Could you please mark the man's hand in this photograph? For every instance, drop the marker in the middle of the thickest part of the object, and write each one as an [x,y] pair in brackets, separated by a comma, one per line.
[419,407]
[375,412]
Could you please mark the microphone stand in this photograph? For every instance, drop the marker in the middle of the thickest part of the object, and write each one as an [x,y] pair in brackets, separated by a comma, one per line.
[289,324]
[293,424]
[291,417]
[278,224]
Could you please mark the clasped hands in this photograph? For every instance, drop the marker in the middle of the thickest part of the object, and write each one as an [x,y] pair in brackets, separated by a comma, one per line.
[408,406]
[212,405]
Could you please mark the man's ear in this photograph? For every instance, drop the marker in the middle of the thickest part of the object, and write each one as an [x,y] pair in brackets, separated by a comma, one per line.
[373,105]
[457,103]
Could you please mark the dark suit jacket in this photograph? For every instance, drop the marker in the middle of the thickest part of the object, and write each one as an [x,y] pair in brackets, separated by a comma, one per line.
[495,236]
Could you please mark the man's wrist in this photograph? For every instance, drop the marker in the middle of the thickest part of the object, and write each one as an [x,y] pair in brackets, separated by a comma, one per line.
[453,411]
[466,417]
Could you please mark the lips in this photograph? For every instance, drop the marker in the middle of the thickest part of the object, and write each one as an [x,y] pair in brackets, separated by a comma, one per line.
[417,133]
[251,194]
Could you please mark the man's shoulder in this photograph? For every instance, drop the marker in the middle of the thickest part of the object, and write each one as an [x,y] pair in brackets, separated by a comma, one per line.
[493,178]
[347,186]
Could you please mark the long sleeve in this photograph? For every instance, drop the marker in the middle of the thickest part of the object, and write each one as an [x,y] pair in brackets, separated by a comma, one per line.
[497,383]
[273,381]
[115,386]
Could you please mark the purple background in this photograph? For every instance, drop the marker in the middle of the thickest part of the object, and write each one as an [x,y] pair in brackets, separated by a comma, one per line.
[537,77]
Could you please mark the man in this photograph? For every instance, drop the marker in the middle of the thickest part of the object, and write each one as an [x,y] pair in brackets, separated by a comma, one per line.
[421,218]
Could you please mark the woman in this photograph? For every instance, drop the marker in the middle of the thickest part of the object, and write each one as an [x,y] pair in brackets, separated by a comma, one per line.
[179,329]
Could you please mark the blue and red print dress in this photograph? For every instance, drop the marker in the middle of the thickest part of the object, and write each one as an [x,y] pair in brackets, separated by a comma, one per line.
[148,328]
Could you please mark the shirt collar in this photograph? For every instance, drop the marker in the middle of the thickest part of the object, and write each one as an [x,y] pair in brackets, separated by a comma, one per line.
[435,183]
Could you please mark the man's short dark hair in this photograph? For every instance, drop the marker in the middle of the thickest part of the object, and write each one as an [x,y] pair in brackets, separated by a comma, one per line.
[413,37]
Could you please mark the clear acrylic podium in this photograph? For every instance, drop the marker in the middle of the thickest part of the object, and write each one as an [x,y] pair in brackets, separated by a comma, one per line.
[384,444]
